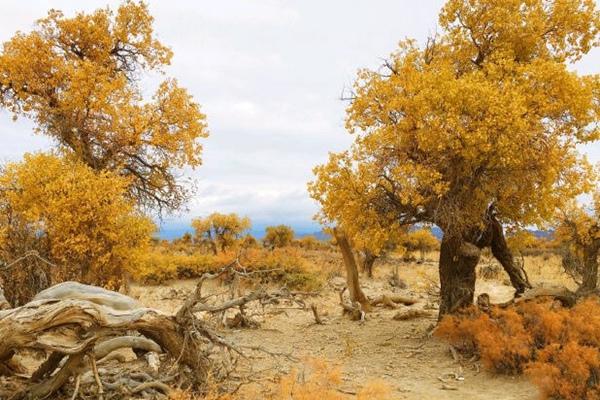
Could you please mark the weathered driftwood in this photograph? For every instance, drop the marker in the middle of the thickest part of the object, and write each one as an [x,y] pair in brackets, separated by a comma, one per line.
[91,325]
[78,325]
[78,291]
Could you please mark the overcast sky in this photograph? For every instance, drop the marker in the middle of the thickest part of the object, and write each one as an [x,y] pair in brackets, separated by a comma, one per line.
[269,75]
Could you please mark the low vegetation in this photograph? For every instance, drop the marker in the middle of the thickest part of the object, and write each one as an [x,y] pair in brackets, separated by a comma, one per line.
[556,346]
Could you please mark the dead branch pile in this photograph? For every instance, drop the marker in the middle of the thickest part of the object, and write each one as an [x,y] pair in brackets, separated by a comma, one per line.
[85,335]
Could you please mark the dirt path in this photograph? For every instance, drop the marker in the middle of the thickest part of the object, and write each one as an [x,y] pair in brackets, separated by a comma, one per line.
[398,352]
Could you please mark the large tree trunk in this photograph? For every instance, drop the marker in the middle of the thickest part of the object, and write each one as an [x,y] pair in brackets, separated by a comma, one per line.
[367,263]
[503,254]
[589,276]
[458,260]
[356,293]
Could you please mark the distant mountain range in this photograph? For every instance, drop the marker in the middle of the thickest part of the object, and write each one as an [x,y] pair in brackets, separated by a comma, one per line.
[178,231]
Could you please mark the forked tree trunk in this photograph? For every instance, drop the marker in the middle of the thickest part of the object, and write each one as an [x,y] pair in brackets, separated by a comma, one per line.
[503,254]
[458,260]
[367,263]
[356,293]
[589,276]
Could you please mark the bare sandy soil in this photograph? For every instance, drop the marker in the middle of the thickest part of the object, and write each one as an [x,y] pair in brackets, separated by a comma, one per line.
[402,353]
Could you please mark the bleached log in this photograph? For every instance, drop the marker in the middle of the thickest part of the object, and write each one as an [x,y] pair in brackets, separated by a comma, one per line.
[133,342]
[94,294]
[74,326]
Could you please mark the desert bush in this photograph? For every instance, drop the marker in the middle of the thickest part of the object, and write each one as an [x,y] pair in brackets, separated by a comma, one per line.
[557,347]
[316,379]
[287,266]
[220,232]
[79,219]
[421,240]
[490,271]
[278,236]
[310,242]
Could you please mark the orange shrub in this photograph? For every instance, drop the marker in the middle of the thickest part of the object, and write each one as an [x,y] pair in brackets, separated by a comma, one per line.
[558,348]
[317,379]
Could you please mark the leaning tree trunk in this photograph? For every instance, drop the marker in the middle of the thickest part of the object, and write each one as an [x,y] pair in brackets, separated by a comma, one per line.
[458,260]
[502,253]
[356,293]
[589,276]
[4,304]
[367,262]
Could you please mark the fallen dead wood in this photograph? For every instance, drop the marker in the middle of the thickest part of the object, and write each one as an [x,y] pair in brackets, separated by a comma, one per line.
[82,329]
[391,300]
[562,294]
[410,314]
[79,326]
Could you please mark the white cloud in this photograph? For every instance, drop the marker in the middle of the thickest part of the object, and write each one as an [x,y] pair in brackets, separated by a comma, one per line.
[268,74]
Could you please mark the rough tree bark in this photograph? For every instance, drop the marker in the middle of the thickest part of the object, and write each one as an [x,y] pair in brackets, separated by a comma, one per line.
[458,260]
[367,262]
[356,293]
[503,254]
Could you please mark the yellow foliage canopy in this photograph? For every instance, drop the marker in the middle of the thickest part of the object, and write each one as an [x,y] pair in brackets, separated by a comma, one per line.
[422,240]
[220,231]
[78,79]
[79,219]
[487,113]
[278,236]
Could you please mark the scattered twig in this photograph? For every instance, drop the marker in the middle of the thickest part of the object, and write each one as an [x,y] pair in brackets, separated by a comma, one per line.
[97,377]
[76,389]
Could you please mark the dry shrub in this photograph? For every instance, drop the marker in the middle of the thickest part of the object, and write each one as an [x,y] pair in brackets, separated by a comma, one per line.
[501,339]
[287,266]
[490,271]
[317,379]
[557,347]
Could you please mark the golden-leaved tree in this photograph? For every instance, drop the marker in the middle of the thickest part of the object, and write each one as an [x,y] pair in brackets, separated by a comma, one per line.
[578,230]
[421,240]
[278,236]
[74,217]
[78,79]
[476,129]
[219,231]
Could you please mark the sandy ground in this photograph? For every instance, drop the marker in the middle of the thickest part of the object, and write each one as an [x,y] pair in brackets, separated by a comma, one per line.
[414,364]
